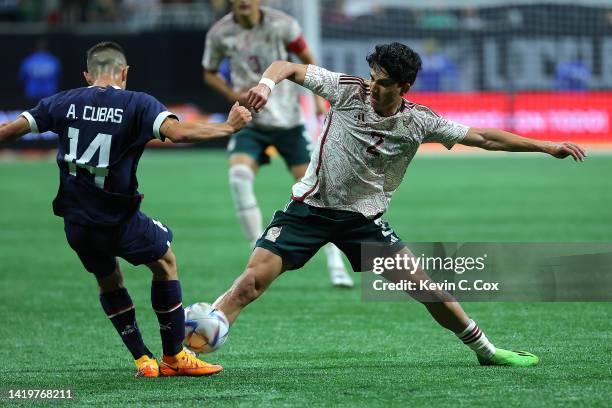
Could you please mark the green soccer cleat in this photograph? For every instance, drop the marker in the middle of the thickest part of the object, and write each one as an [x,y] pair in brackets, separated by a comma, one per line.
[511,358]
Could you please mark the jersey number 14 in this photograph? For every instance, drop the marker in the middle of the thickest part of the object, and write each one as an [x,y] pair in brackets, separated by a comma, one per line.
[102,142]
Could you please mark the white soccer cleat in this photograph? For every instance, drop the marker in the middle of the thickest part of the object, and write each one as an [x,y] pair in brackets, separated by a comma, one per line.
[340,278]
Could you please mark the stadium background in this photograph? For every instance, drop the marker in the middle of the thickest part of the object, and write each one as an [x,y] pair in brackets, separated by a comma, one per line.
[541,68]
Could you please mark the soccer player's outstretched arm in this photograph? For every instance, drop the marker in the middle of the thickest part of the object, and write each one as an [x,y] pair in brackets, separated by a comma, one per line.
[186,132]
[14,130]
[277,72]
[307,58]
[496,139]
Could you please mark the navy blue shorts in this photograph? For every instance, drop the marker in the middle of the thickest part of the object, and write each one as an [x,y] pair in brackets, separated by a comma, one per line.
[140,240]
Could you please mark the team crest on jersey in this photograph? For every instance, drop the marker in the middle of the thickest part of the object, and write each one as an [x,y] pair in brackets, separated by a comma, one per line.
[360,117]
[273,233]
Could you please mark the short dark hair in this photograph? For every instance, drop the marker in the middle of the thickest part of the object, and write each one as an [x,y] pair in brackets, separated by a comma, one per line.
[401,62]
[105,55]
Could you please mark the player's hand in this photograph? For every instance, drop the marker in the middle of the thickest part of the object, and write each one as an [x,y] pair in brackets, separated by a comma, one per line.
[239,117]
[258,96]
[243,99]
[564,149]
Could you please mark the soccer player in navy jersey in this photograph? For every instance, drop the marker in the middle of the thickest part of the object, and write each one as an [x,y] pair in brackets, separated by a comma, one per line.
[102,131]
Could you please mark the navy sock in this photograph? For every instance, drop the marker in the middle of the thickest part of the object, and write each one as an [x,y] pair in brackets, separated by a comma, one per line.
[120,310]
[166,299]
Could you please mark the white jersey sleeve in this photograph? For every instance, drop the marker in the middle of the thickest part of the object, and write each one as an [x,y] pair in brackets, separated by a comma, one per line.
[442,130]
[213,52]
[290,31]
[338,89]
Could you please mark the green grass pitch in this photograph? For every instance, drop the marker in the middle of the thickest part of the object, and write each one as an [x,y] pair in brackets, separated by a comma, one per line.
[304,343]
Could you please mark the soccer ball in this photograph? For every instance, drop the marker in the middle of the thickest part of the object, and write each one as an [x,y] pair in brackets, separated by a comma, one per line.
[206,328]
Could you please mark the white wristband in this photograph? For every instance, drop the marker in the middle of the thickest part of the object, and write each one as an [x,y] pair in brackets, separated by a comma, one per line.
[268,82]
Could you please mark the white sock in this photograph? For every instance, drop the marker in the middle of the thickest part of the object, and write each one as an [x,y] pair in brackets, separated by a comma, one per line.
[475,339]
[334,259]
[241,179]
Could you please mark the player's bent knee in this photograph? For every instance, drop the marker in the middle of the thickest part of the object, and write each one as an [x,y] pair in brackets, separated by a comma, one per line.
[241,178]
[261,270]
[110,282]
[243,159]
[165,267]
[245,290]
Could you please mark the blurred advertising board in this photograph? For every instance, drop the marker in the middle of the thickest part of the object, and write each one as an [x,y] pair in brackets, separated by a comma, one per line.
[580,116]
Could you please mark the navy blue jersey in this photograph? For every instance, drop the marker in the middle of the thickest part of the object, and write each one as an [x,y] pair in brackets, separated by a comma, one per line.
[102,134]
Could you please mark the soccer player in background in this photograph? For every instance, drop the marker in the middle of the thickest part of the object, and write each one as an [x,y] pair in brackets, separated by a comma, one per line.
[370,137]
[102,131]
[252,37]
[40,73]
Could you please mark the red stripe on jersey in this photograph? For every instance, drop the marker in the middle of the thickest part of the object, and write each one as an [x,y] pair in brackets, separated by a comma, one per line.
[342,77]
[362,86]
[306,194]
[351,83]
[298,45]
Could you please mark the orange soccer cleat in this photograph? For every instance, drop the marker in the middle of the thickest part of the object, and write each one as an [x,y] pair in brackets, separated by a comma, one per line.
[147,367]
[185,363]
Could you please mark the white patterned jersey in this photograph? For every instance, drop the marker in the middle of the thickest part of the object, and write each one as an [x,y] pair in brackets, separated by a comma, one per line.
[250,52]
[361,157]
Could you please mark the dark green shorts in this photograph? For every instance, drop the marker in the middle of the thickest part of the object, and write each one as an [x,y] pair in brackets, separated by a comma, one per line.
[294,144]
[298,232]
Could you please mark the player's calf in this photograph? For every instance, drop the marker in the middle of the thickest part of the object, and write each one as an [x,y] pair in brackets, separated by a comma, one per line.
[245,289]
[167,302]
[241,179]
[263,267]
[119,308]
[164,269]
[449,314]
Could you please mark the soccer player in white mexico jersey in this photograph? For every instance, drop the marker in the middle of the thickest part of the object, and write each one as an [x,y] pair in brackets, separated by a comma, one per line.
[252,37]
[370,137]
